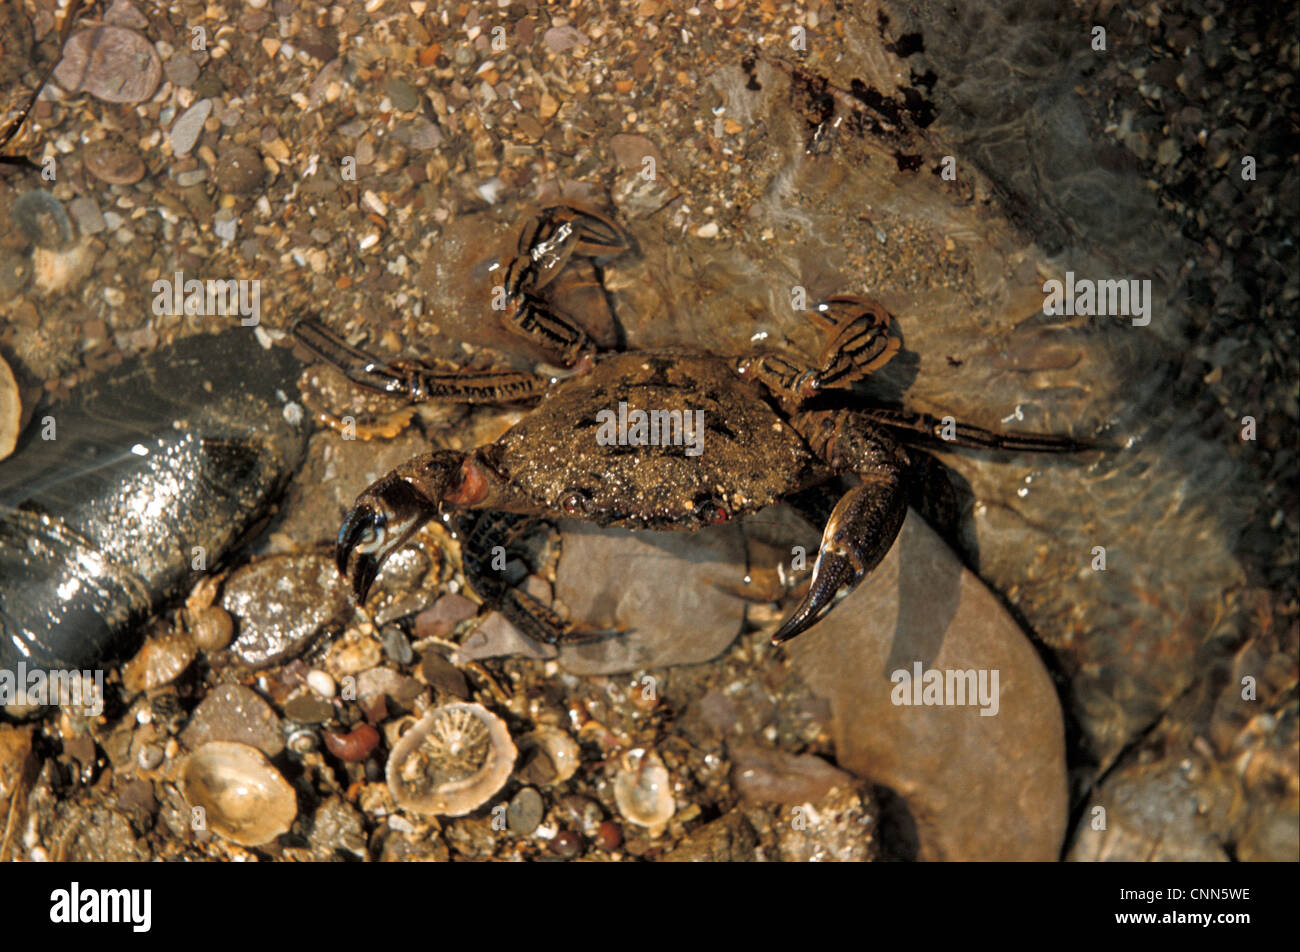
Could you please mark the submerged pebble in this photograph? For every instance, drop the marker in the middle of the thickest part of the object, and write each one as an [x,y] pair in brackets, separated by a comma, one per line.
[354,746]
[232,712]
[525,812]
[282,602]
[111,63]
[42,220]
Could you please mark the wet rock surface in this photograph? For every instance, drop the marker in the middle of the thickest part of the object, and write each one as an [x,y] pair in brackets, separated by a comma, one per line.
[977,786]
[280,604]
[667,594]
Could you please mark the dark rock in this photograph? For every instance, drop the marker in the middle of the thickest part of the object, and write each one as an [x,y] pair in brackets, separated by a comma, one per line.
[235,713]
[728,839]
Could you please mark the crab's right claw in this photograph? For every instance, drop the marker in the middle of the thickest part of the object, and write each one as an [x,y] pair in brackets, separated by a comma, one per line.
[388,513]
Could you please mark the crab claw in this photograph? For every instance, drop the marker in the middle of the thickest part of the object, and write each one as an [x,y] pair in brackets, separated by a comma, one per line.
[833,573]
[388,513]
[860,532]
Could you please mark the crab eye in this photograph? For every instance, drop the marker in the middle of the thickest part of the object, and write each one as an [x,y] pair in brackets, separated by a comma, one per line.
[576,503]
[708,510]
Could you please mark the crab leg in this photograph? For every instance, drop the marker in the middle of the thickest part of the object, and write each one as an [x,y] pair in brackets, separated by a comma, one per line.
[860,341]
[417,384]
[864,523]
[964,434]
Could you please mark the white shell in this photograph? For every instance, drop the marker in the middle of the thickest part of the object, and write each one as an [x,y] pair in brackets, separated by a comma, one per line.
[451,761]
[243,796]
[643,789]
[561,749]
[11,410]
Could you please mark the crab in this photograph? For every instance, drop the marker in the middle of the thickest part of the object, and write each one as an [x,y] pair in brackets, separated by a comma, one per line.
[712,438]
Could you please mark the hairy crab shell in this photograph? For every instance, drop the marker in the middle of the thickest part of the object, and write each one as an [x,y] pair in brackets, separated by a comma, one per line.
[452,761]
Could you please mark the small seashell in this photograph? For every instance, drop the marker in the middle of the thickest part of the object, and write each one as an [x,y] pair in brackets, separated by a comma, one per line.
[642,789]
[212,629]
[159,661]
[243,796]
[549,756]
[320,682]
[11,410]
[452,761]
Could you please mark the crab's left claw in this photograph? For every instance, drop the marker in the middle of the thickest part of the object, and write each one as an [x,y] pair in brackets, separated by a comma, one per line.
[388,513]
[861,531]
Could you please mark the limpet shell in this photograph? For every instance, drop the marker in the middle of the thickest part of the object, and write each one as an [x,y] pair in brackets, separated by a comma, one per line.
[11,410]
[643,789]
[244,798]
[550,756]
[452,761]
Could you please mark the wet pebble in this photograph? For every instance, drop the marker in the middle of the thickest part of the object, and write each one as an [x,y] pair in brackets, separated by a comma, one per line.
[418,134]
[281,603]
[525,812]
[336,827]
[320,682]
[402,94]
[240,170]
[496,636]
[567,844]
[354,746]
[185,131]
[115,164]
[442,616]
[112,63]
[609,835]
[559,39]
[87,215]
[728,839]
[235,713]
[1011,767]
[42,220]
[308,709]
[774,776]
[444,676]
[397,647]
[181,69]
[668,592]
[149,757]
